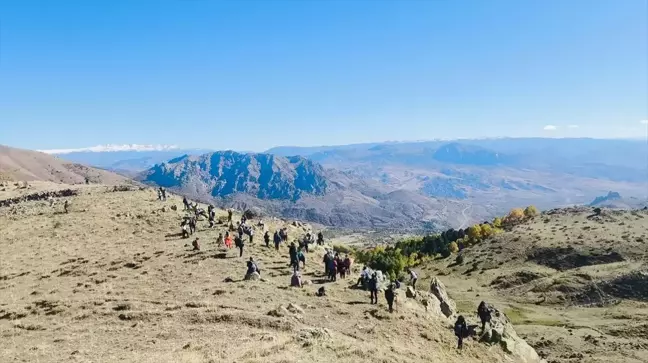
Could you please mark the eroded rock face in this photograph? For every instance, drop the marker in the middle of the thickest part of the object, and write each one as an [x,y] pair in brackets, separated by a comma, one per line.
[500,331]
[448,306]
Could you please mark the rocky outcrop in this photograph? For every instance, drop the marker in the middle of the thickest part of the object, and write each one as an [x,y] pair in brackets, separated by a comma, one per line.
[500,331]
[448,306]
[39,196]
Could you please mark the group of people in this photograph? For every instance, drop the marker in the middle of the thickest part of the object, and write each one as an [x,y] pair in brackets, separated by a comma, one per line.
[461,327]
[334,265]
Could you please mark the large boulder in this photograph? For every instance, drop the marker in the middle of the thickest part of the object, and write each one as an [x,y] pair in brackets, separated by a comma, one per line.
[448,306]
[500,331]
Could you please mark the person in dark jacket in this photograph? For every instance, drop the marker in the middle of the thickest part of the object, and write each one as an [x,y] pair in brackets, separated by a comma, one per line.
[252,267]
[266,239]
[484,314]
[292,251]
[389,296]
[277,240]
[373,288]
[460,330]
[238,242]
[326,261]
[320,238]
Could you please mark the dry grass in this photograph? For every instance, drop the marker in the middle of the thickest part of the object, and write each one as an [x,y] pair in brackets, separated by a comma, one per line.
[111,281]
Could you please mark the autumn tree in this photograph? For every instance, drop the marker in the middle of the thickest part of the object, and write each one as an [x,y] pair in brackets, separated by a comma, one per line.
[453,247]
[530,211]
[497,222]
[474,232]
[515,216]
[486,231]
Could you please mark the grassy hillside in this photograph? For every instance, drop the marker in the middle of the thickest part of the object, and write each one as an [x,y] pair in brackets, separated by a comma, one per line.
[112,281]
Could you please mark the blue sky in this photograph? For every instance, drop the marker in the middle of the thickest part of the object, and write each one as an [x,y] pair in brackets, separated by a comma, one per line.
[255,74]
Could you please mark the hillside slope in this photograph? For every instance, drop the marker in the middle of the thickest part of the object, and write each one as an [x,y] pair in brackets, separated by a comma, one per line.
[574,283]
[113,281]
[27,165]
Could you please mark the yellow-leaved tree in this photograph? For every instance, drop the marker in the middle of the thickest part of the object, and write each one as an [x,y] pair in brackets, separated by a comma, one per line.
[453,247]
[474,232]
[486,231]
[530,211]
[515,216]
[497,222]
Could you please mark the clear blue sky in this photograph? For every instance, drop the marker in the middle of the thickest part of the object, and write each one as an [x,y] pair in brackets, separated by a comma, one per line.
[254,74]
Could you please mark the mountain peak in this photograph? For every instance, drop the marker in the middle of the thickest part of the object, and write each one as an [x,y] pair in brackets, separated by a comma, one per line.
[223,173]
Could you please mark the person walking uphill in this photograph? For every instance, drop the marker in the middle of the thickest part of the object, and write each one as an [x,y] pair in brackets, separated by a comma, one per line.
[389,296]
[277,240]
[294,261]
[266,239]
[238,242]
[484,314]
[373,288]
[460,330]
[414,278]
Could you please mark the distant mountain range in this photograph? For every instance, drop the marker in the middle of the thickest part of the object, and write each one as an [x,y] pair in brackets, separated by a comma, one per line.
[297,187]
[614,200]
[397,184]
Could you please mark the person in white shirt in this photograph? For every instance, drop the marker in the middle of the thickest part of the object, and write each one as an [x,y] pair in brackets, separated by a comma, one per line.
[413,277]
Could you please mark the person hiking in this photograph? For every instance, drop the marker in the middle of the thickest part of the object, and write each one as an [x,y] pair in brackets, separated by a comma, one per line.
[364,278]
[373,288]
[332,263]
[230,212]
[238,242]
[277,240]
[185,229]
[301,258]
[460,330]
[159,193]
[220,240]
[389,296]
[320,238]
[212,217]
[413,278]
[295,280]
[341,266]
[252,267]
[284,235]
[347,266]
[163,194]
[195,244]
[250,233]
[266,239]
[228,241]
[185,202]
[192,225]
[65,206]
[326,261]
[484,314]
[292,252]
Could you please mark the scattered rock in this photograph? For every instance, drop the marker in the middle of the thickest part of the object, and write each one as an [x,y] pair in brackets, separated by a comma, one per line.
[228,279]
[410,292]
[295,309]
[448,307]
[500,331]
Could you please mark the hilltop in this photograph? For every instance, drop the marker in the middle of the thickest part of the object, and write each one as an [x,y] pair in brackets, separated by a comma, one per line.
[113,280]
[27,165]
[573,281]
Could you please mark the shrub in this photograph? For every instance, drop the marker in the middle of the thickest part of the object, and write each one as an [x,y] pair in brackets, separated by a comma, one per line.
[453,247]
[459,259]
[497,222]
[515,216]
[530,211]
[486,231]
[343,249]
